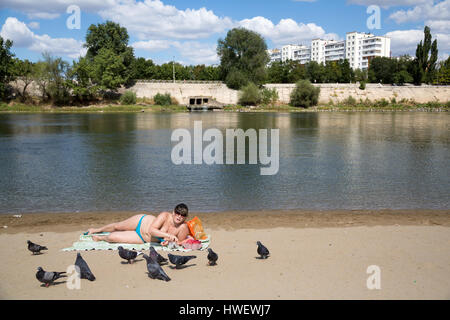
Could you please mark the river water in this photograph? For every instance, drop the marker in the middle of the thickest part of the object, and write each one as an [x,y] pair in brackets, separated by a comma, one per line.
[122,162]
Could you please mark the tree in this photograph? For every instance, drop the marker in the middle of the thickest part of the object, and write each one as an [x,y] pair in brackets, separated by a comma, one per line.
[244,53]
[305,94]
[56,71]
[24,72]
[444,72]
[80,80]
[424,67]
[108,43]
[6,66]
[315,72]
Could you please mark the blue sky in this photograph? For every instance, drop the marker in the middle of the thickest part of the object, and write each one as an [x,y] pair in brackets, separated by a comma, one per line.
[189,29]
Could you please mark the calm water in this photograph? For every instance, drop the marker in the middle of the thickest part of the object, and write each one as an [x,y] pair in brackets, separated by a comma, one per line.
[91,162]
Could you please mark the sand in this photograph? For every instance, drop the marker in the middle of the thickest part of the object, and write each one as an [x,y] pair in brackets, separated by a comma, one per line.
[314,255]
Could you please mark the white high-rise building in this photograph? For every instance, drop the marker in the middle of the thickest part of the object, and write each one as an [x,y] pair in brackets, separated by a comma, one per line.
[318,50]
[361,47]
[287,52]
[335,51]
[358,48]
[274,54]
[302,54]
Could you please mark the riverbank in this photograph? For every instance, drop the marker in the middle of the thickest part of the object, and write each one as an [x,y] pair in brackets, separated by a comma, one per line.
[381,106]
[314,255]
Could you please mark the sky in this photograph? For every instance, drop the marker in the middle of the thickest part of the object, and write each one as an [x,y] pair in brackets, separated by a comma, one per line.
[187,31]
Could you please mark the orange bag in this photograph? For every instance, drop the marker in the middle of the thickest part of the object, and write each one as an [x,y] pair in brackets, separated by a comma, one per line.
[196,228]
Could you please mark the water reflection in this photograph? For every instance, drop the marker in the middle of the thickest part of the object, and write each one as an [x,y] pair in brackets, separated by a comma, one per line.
[70,162]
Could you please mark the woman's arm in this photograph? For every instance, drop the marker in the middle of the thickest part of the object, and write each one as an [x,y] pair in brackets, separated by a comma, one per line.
[156,226]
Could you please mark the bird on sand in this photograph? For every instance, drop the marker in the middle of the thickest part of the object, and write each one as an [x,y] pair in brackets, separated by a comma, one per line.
[179,260]
[128,255]
[85,271]
[212,257]
[262,250]
[48,277]
[35,248]
[154,269]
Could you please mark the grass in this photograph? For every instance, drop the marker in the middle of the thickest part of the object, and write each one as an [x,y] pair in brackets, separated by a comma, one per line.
[347,105]
[95,108]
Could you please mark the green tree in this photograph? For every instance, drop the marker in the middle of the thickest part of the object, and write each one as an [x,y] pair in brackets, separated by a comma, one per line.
[347,73]
[56,71]
[83,89]
[6,66]
[244,53]
[305,94]
[24,73]
[142,68]
[424,67]
[111,39]
[315,72]
[249,95]
[444,72]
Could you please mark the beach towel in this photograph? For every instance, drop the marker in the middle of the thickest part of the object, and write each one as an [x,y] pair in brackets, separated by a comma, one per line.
[86,243]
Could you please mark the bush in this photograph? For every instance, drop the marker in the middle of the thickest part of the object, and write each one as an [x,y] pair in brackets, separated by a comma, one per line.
[129,97]
[269,96]
[350,101]
[304,95]
[162,99]
[236,80]
[362,85]
[250,95]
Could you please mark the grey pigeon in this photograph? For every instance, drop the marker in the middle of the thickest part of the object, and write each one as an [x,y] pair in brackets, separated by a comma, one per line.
[179,260]
[48,277]
[156,256]
[262,250]
[85,272]
[154,269]
[212,257]
[128,254]
[35,248]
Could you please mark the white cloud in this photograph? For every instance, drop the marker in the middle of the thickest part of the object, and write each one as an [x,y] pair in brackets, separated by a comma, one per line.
[22,36]
[51,9]
[287,31]
[405,41]
[194,52]
[387,3]
[34,25]
[152,19]
[426,11]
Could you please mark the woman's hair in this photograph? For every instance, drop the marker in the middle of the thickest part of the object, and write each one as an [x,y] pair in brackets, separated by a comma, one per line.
[181,209]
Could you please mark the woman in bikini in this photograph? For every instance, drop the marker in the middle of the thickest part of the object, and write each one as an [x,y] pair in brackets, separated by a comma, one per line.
[166,227]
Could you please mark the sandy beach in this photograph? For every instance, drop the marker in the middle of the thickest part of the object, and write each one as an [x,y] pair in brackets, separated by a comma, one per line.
[314,255]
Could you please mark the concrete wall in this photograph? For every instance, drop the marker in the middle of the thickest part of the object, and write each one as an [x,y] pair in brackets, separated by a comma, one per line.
[328,92]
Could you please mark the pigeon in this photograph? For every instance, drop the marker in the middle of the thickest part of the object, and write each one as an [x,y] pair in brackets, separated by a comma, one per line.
[262,250]
[85,272]
[156,256]
[154,269]
[35,248]
[212,257]
[48,277]
[128,254]
[179,260]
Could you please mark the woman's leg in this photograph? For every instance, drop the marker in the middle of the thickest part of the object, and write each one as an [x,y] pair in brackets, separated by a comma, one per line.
[129,224]
[120,236]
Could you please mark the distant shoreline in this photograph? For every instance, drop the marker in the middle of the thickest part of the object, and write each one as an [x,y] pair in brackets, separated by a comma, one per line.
[232,220]
[110,108]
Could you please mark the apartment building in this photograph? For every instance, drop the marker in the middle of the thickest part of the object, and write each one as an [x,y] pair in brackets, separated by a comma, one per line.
[361,47]
[358,48]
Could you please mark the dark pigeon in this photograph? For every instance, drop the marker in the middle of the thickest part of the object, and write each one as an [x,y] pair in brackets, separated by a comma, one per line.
[85,272]
[179,260]
[128,254]
[156,256]
[154,269]
[48,277]
[262,250]
[212,257]
[35,248]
